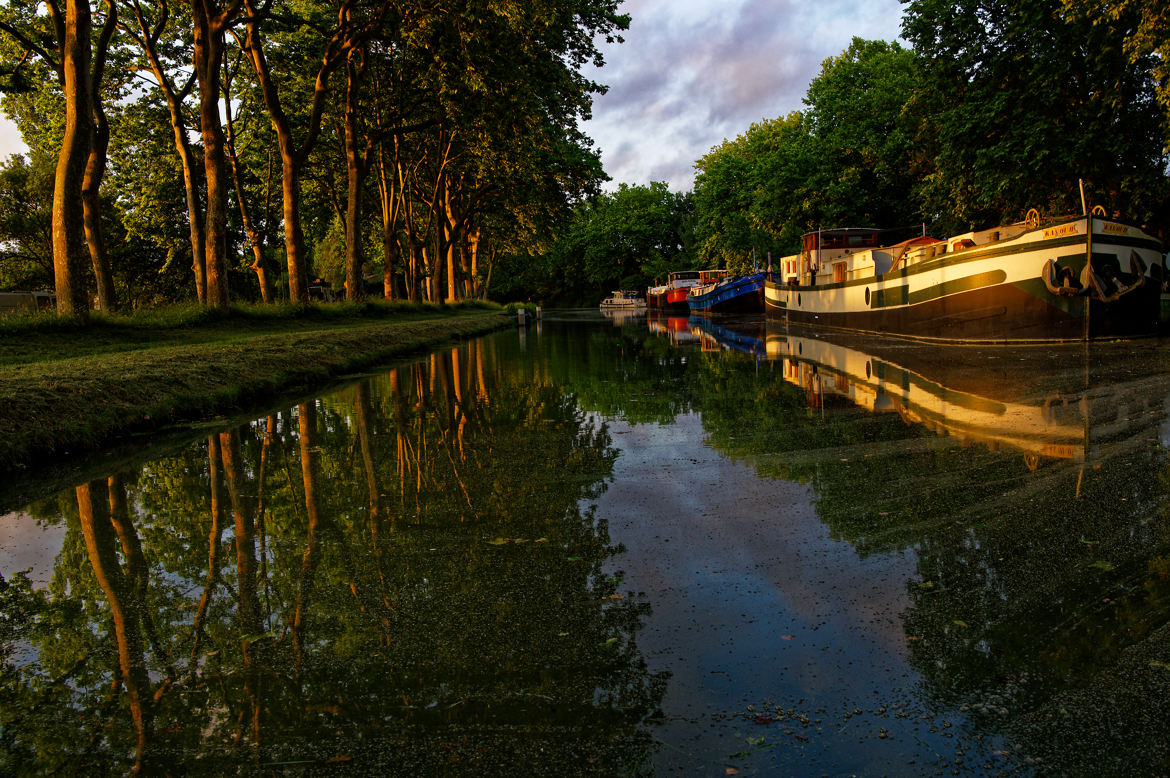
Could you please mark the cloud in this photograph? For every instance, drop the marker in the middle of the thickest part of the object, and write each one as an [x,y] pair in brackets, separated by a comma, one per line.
[693,73]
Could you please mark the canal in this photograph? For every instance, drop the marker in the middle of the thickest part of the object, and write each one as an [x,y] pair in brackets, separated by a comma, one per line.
[638,545]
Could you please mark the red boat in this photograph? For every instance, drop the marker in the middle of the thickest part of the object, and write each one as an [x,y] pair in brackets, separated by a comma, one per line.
[673,294]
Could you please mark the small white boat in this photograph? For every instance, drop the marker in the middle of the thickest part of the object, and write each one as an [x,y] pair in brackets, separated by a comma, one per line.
[623,299]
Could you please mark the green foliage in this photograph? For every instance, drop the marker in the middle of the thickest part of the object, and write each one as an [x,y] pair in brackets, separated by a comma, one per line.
[625,239]
[26,247]
[750,193]
[1146,42]
[862,139]
[974,126]
[843,162]
[1005,125]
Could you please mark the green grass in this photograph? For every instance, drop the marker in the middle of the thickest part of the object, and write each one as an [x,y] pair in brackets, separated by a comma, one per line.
[39,337]
[71,386]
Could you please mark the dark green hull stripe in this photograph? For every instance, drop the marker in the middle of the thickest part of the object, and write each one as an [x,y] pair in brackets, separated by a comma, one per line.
[887,297]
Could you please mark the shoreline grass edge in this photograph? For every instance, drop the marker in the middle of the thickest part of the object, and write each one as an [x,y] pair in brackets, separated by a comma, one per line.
[72,406]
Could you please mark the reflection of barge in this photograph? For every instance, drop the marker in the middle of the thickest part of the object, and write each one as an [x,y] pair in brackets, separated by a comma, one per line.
[746,337]
[621,316]
[956,393]
[1022,282]
[676,328]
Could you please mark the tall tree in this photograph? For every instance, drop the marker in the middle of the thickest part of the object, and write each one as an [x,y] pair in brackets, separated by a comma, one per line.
[862,140]
[150,27]
[211,21]
[1006,125]
[1145,29]
[65,45]
[95,167]
[330,51]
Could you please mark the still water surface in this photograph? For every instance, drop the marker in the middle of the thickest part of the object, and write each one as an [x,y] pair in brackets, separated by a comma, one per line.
[620,547]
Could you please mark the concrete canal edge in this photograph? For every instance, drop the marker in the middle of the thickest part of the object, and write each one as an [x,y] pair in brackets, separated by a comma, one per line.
[69,407]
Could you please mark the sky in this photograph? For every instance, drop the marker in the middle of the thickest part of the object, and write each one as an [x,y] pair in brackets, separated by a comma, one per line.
[692,73]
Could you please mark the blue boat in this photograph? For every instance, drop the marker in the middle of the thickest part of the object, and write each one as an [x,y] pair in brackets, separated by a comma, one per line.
[719,293]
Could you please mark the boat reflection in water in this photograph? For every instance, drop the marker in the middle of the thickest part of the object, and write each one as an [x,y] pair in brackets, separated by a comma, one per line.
[677,329]
[1053,427]
[746,335]
[970,393]
[627,315]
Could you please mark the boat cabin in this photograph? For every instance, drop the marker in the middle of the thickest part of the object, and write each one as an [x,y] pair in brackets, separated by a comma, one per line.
[837,256]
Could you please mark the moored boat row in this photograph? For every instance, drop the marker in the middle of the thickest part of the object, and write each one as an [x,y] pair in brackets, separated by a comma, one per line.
[1074,278]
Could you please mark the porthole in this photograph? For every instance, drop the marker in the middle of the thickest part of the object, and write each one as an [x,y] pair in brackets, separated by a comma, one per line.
[868,373]
[799,348]
[798,301]
[867,295]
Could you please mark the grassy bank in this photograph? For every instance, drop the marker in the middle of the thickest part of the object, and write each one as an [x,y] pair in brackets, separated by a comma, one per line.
[67,386]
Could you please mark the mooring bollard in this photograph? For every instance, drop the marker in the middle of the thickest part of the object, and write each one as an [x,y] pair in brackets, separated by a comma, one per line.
[522,317]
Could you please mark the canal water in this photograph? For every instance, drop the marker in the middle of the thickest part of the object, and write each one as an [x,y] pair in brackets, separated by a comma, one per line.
[638,545]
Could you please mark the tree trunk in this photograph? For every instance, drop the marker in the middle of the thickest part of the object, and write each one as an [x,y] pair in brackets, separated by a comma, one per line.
[255,240]
[473,249]
[292,157]
[208,61]
[95,170]
[388,198]
[355,163]
[450,239]
[70,252]
[191,185]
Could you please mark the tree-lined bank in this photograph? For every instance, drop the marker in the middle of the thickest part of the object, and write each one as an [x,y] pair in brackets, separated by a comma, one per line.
[227,150]
[233,150]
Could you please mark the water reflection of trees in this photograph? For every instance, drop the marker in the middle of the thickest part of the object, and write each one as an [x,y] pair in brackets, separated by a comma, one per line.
[398,575]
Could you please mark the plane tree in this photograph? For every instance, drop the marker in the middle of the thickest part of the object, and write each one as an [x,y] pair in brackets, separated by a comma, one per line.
[67,45]
[1004,125]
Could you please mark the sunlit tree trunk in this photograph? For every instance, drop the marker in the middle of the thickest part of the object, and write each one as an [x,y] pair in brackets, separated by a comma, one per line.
[210,24]
[388,199]
[144,34]
[292,157]
[357,164]
[255,240]
[70,252]
[95,170]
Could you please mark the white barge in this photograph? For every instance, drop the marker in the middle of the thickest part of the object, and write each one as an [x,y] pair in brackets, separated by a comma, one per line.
[1017,283]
